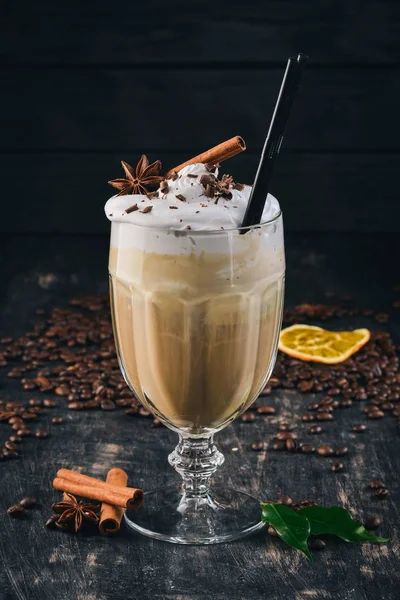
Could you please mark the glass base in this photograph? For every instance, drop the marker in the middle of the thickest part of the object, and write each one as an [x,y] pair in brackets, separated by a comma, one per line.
[221,516]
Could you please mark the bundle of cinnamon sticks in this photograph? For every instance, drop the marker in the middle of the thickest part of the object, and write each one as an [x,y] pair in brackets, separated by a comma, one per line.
[113,493]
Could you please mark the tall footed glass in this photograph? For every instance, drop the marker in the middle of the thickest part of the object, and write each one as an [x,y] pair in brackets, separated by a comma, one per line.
[196,317]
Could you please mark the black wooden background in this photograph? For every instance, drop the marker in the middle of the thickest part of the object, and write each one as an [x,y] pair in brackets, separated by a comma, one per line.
[85,83]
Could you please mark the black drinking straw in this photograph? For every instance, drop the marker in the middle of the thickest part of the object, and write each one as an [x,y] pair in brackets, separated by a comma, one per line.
[273,142]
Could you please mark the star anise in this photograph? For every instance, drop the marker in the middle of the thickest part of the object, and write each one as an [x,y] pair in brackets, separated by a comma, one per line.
[74,514]
[139,180]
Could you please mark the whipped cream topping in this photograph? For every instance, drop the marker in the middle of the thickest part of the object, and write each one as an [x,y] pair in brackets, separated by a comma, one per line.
[185,205]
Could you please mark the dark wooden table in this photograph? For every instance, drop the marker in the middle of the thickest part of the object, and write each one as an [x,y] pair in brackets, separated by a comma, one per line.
[40,564]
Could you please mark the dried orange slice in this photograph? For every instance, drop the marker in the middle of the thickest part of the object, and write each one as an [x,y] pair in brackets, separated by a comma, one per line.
[311,343]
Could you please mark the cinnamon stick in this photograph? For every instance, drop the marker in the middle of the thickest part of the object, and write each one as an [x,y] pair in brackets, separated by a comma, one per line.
[85,480]
[110,515]
[214,155]
[98,493]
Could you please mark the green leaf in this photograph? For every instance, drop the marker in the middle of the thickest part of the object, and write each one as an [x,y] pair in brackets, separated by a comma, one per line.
[336,520]
[291,527]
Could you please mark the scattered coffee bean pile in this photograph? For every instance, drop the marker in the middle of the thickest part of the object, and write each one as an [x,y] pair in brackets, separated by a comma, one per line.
[18,510]
[70,355]
[371,375]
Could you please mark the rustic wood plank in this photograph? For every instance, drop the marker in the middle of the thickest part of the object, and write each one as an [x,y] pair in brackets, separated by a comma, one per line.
[65,193]
[171,109]
[38,564]
[264,32]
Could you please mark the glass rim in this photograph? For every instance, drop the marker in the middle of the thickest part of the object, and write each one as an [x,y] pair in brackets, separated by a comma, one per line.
[205,232]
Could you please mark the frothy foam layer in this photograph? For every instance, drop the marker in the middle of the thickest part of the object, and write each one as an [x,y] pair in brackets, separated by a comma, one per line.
[192,209]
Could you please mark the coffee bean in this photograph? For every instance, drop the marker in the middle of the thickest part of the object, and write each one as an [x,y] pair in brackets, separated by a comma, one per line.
[52,521]
[76,405]
[279,446]
[324,416]
[315,429]
[375,415]
[132,412]
[345,403]
[338,466]
[325,409]
[376,484]
[7,454]
[305,386]
[381,493]
[316,544]
[313,406]
[341,450]
[292,445]
[10,445]
[373,523]
[15,439]
[387,406]
[326,401]
[359,428]
[42,433]
[24,432]
[334,391]
[285,435]
[28,502]
[266,410]
[307,449]
[342,382]
[29,416]
[143,412]
[15,511]
[107,405]
[286,500]
[157,424]
[325,450]
[266,391]
[62,390]
[57,419]
[258,446]
[248,417]
[271,531]
[49,403]
[307,418]
[15,420]
[285,427]
[35,402]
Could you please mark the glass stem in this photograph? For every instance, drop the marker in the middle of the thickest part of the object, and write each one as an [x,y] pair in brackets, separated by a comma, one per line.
[196,460]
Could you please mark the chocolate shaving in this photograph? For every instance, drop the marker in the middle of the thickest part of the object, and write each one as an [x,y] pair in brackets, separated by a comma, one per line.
[192,175]
[174,175]
[180,197]
[208,180]
[131,209]
[210,191]
[188,227]
[238,186]
[164,187]
[203,204]
[146,209]
[216,200]
[197,211]
[174,207]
